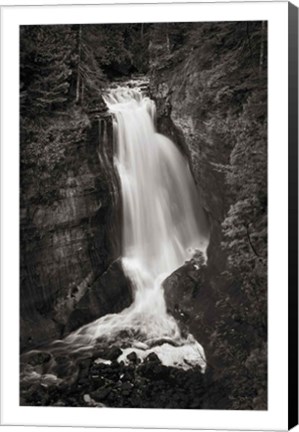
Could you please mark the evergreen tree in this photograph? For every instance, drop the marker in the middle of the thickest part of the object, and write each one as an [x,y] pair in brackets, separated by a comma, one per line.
[90,77]
[47,59]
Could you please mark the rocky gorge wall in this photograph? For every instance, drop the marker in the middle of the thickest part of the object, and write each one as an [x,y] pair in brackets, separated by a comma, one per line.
[177,92]
[209,81]
[191,294]
[71,237]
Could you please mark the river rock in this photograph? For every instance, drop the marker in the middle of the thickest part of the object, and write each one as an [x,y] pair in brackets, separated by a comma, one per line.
[38,358]
[153,358]
[146,385]
[132,357]
[113,353]
[101,394]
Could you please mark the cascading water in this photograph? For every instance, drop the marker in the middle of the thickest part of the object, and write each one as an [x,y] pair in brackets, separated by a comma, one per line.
[162,222]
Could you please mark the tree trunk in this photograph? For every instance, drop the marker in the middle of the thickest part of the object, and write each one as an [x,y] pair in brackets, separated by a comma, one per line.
[82,92]
[142,32]
[262,47]
[78,84]
[167,39]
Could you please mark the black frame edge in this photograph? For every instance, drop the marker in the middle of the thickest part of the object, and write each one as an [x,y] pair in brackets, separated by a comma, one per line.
[293,217]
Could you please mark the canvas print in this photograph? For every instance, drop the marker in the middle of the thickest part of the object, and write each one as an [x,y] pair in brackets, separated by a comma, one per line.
[143,215]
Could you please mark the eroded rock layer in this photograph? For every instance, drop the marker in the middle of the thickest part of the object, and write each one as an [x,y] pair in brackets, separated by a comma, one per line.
[71,235]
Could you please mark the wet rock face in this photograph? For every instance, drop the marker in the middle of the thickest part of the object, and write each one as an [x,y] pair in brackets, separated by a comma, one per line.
[69,238]
[110,293]
[177,85]
[191,296]
[192,291]
[176,88]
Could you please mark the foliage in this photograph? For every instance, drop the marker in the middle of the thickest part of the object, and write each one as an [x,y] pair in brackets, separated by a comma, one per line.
[124,48]
[218,78]
[245,242]
[47,54]
[91,78]
[241,329]
[45,156]
[63,64]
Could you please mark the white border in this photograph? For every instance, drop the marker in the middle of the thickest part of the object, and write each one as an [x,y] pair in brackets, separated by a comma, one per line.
[276,416]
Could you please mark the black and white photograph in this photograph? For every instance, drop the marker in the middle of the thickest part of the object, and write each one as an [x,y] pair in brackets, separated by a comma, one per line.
[143,215]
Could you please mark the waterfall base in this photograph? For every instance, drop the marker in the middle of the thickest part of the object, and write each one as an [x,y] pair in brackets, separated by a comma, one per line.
[108,383]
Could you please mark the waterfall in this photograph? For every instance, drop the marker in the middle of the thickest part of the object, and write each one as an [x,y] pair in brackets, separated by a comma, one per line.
[162,222]
[161,230]
[161,226]
[161,217]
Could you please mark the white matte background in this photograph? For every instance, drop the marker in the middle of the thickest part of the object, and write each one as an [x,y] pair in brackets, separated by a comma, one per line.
[276,14]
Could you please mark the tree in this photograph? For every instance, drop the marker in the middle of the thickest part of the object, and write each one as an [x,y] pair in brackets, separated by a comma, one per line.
[47,59]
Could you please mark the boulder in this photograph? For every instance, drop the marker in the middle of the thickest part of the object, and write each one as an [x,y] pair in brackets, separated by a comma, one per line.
[132,357]
[191,299]
[113,353]
[38,358]
[110,293]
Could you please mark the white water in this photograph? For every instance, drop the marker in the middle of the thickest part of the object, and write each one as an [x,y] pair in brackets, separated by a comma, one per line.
[161,230]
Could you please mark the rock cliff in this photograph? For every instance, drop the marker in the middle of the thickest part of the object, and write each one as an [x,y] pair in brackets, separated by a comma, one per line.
[69,230]
[176,85]
[209,81]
